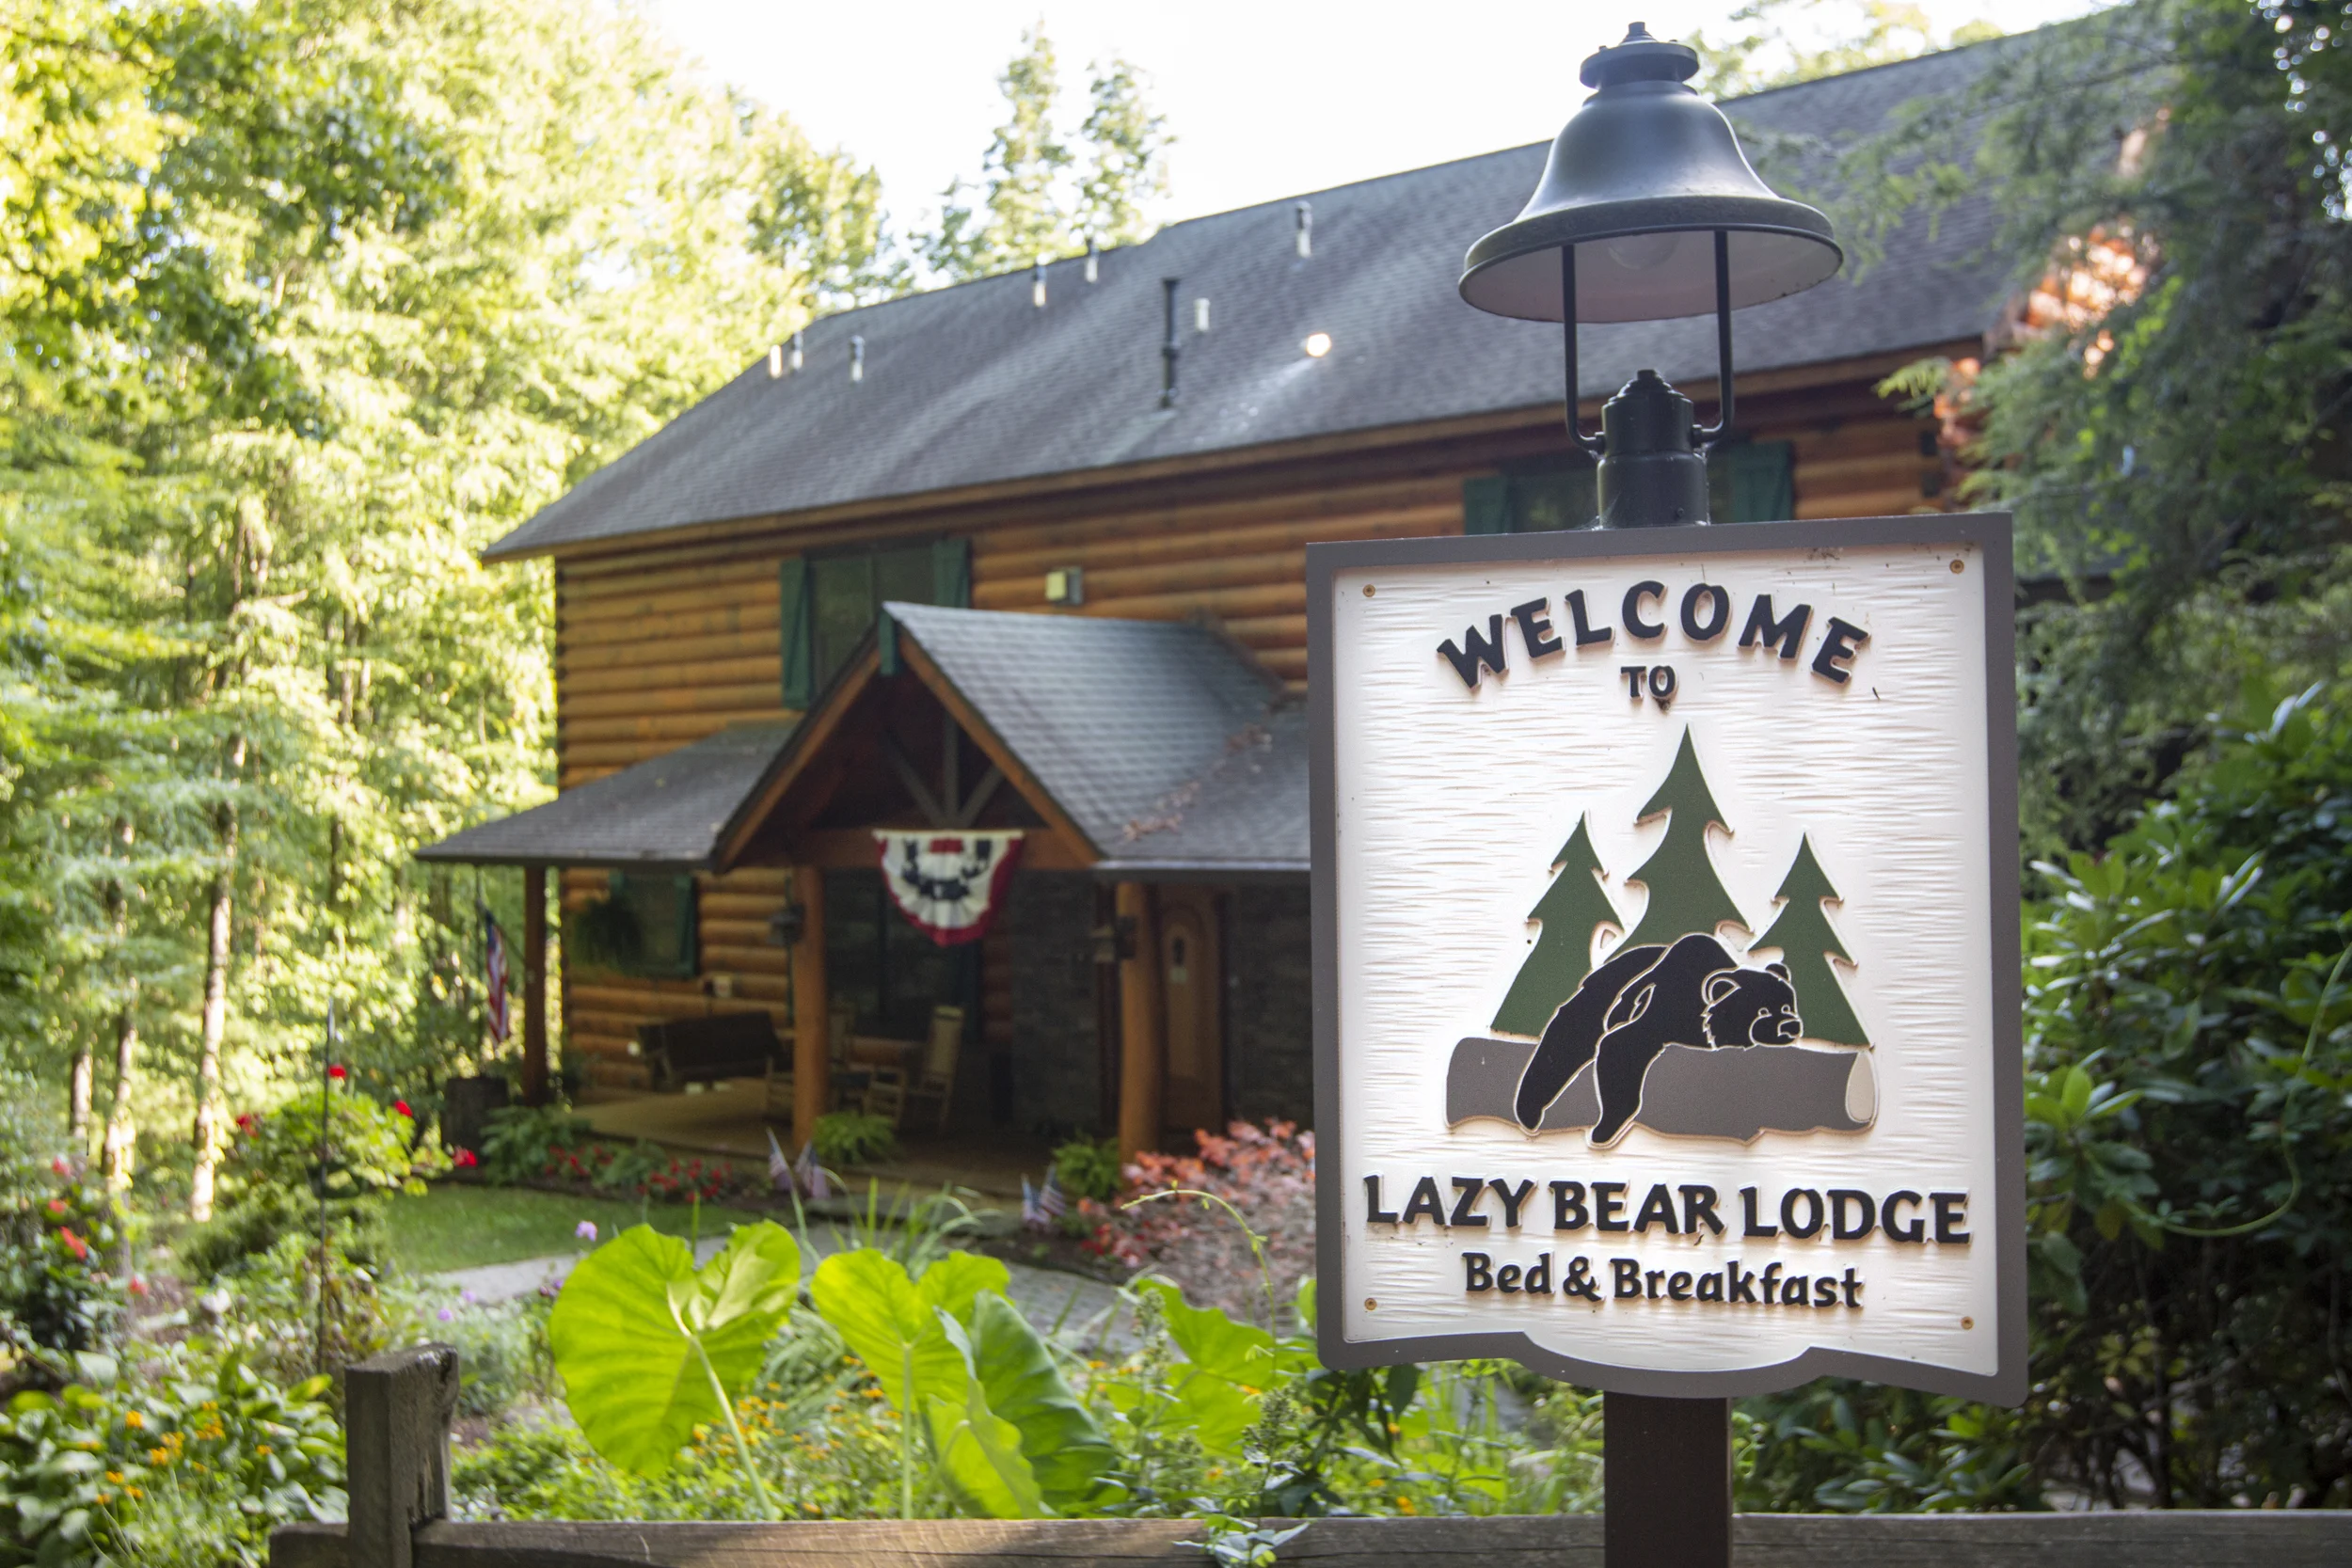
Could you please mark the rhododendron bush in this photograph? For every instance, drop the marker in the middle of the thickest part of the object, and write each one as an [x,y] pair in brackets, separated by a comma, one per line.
[1266,1172]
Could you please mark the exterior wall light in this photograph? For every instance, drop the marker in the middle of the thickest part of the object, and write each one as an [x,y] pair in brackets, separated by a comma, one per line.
[1317,344]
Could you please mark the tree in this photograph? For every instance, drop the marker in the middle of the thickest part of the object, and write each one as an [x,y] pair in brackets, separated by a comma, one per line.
[1036,202]
[1685,894]
[1572,909]
[2170,424]
[1801,41]
[302,303]
[1808,943]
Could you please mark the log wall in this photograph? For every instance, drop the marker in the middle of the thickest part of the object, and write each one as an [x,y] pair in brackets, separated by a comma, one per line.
[658,645]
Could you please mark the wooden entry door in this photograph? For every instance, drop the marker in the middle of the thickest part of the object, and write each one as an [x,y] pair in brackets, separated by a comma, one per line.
[1192,986]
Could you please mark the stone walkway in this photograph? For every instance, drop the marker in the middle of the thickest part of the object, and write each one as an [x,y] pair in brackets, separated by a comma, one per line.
[1080,1313]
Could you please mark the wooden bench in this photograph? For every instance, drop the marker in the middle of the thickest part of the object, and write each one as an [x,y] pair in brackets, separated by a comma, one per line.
[683,1050]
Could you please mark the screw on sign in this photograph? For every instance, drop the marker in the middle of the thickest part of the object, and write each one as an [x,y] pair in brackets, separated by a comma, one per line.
[1664,885]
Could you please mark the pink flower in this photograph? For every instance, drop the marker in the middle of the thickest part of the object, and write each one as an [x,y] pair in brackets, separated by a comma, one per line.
[62,1165]
[400,1107]
[586,1230]
[74,1245]
[57,1206]
[335,1072]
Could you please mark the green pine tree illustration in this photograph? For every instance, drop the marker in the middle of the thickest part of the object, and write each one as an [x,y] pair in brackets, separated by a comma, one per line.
[1685,894]
[1570,910]
[1808,943]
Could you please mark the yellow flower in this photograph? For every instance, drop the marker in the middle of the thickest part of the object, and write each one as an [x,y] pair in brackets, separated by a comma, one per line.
[261,1448]
[134,1420]
[135,1492]
[115,1476]
[159,1456]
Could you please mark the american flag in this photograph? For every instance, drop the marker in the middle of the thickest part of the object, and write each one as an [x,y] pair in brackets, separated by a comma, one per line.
[779,1169]
[1042,1206]
[494,972]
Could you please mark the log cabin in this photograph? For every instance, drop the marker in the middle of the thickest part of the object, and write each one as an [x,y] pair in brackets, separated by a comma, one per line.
[1024,556]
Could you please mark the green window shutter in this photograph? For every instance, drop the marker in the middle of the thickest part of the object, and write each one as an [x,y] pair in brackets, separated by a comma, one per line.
[800,652]
[951,573]
[886,641]
[1486,504]
[1752,482]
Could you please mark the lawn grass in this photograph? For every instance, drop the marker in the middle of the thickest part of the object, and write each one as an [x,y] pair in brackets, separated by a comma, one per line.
[464,1227]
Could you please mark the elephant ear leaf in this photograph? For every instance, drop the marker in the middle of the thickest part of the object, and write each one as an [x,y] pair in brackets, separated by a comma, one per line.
[980,1452]
[953,1281]
[889,1326]
[635,1320]
[1065,1446]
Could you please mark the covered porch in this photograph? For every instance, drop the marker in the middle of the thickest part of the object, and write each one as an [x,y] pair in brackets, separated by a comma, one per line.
[1141,971]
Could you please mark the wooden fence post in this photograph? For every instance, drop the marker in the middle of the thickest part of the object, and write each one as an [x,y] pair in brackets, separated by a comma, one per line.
[397,1408]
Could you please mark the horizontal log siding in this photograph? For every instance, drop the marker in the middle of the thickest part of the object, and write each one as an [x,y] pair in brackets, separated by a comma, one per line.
[602,1011]
[662,645]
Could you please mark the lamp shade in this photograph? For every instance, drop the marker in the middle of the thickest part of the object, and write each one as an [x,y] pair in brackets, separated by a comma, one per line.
[1644,174]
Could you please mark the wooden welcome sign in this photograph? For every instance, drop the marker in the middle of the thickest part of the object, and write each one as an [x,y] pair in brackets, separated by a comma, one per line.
[1666,903]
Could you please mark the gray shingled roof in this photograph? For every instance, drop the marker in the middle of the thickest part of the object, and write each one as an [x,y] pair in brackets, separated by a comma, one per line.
[666,815]
[972,385]
[1164,742]
[1130,726]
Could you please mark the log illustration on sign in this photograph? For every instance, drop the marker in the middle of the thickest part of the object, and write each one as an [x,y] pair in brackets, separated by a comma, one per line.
[1678,1029]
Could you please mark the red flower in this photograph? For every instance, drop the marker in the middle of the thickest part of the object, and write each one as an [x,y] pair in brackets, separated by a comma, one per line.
[246,1122]
[336,1072]
[400,1107]
[74,1245]
[57,1206]
[465,1159]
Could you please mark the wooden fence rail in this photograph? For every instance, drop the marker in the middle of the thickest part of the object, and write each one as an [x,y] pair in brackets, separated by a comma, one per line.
[399,1406]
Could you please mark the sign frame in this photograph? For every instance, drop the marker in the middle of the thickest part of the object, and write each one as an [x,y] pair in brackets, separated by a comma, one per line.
[1988,533]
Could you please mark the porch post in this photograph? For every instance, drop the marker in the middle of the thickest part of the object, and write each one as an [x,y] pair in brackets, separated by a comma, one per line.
[1142,1023]
[534,985]
[812,1009]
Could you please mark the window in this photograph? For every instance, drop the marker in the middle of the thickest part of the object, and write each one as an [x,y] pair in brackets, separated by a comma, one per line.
[1747,482]
[830,601]
[642,926]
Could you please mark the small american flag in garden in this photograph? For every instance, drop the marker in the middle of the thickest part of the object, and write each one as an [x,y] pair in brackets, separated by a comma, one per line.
[1042,1206]
[494,972]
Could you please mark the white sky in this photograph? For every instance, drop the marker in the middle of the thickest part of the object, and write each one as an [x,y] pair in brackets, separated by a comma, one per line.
[1267,98]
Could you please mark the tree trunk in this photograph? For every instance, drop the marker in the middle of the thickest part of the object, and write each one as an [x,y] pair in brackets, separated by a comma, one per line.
[77,1116]
[207,1136]
[121,1134]
[208,1130]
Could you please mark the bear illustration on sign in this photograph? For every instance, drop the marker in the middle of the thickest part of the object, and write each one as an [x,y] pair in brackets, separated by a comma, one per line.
[1678,1029]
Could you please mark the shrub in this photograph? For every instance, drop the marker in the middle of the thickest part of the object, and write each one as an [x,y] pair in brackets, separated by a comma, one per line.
[179,1456]
[854,1138]
[59,1244]
[272,1179]
[520,1142]
[1266,1172]
[1087,1169]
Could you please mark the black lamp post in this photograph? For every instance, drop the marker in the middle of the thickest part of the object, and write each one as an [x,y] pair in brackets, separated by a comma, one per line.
[1648,179]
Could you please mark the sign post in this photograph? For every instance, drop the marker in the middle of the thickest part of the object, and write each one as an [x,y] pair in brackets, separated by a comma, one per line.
[1666,942]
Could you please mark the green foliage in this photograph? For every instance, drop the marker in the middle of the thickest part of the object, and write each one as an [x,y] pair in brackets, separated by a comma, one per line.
[1801,41]
[303,303]
[854,1138]
[2172,442]
[176,1458]
[519,1141]
[369,1149]
[649,1347]
[1090,1167]
[60,1243]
